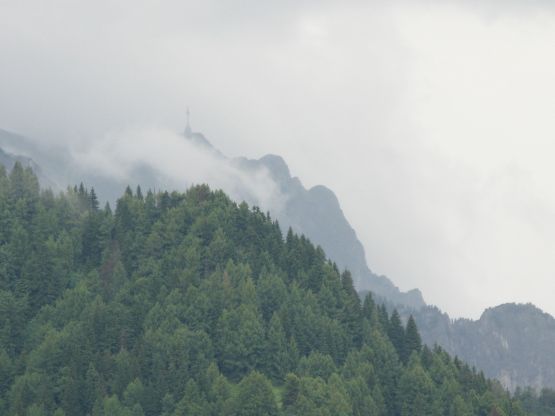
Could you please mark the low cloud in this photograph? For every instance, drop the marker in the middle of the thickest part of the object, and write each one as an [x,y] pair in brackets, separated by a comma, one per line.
[175,163]
[432,121]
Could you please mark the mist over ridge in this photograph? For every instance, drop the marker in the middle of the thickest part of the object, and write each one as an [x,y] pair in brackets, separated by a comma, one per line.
[431,121]
[410,138]
[162,159]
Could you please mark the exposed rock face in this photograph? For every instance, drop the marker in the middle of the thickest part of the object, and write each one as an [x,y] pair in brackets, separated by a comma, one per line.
[316,213]
[514,343]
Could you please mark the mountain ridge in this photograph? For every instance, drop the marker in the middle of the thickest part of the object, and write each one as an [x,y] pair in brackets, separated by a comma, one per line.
[511,342]
[316,212]
[189,303]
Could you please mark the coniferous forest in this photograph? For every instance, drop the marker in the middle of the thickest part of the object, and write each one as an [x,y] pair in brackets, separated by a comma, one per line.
[190,304]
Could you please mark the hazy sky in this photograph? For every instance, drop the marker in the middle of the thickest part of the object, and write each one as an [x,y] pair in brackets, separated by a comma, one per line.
[434,122]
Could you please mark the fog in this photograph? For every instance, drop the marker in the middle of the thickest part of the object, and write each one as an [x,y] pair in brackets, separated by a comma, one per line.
[176,164]
[432,121]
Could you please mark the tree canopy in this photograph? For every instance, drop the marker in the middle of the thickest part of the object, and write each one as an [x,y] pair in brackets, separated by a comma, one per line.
[190,304]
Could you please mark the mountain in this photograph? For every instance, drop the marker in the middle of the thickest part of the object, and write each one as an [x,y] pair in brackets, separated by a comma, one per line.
[512,343]
[8,159]
[188,303]
[317,214]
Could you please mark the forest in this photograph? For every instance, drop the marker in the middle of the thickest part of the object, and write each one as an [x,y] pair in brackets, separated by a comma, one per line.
[188,303]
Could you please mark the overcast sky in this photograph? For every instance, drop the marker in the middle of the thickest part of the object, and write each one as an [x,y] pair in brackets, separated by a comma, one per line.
[434,122]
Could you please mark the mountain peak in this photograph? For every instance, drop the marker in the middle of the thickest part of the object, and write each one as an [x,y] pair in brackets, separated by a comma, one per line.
[323,193]
[277,167]
[199,140]
[511,311]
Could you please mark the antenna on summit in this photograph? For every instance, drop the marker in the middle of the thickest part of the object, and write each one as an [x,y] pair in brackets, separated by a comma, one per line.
[188,131]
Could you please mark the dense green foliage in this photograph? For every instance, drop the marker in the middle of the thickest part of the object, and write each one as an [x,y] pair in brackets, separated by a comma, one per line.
[542,404]
[189,304]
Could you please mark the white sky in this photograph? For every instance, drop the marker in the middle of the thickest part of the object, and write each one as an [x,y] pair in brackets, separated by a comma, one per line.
[434,122]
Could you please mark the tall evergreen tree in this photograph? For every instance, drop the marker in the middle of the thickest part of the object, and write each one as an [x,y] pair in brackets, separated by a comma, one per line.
[276,360]
[413,342]
[397,333]
[255,397]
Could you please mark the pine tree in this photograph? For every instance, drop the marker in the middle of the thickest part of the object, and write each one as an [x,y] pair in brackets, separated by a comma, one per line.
[94,200]
[276,360]
[416,391]
[240,341]
[291,390]
[193,402]
[397,333]
[139,193]
[413,342]
[255,397]
[352,311]
[369,307]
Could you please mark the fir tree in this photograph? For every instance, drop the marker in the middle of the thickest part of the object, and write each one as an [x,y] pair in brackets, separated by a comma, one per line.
[397,333]
[413,342]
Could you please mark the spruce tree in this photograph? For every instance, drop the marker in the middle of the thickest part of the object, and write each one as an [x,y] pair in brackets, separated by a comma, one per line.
[397,333]
[413,342]
[276,359]
[255,397]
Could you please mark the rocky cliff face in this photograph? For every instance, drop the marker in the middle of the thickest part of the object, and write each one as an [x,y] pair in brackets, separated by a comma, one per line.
[513,343]
[316,213]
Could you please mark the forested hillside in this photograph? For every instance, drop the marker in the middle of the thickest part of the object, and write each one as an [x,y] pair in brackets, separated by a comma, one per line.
[498,345]
[189,304]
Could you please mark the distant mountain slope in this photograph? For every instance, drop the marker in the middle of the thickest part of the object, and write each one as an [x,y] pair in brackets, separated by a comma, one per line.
[8,159]
[511,342]
[317,214]
[14,143]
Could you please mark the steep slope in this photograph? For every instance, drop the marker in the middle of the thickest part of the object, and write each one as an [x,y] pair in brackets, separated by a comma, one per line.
[317,214]
[189,304]
[512,342]
[8,158]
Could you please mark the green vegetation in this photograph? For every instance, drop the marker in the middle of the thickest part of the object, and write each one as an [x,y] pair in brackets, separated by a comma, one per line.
[189,304]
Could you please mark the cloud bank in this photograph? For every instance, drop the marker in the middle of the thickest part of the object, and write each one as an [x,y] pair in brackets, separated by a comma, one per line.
[176,162]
